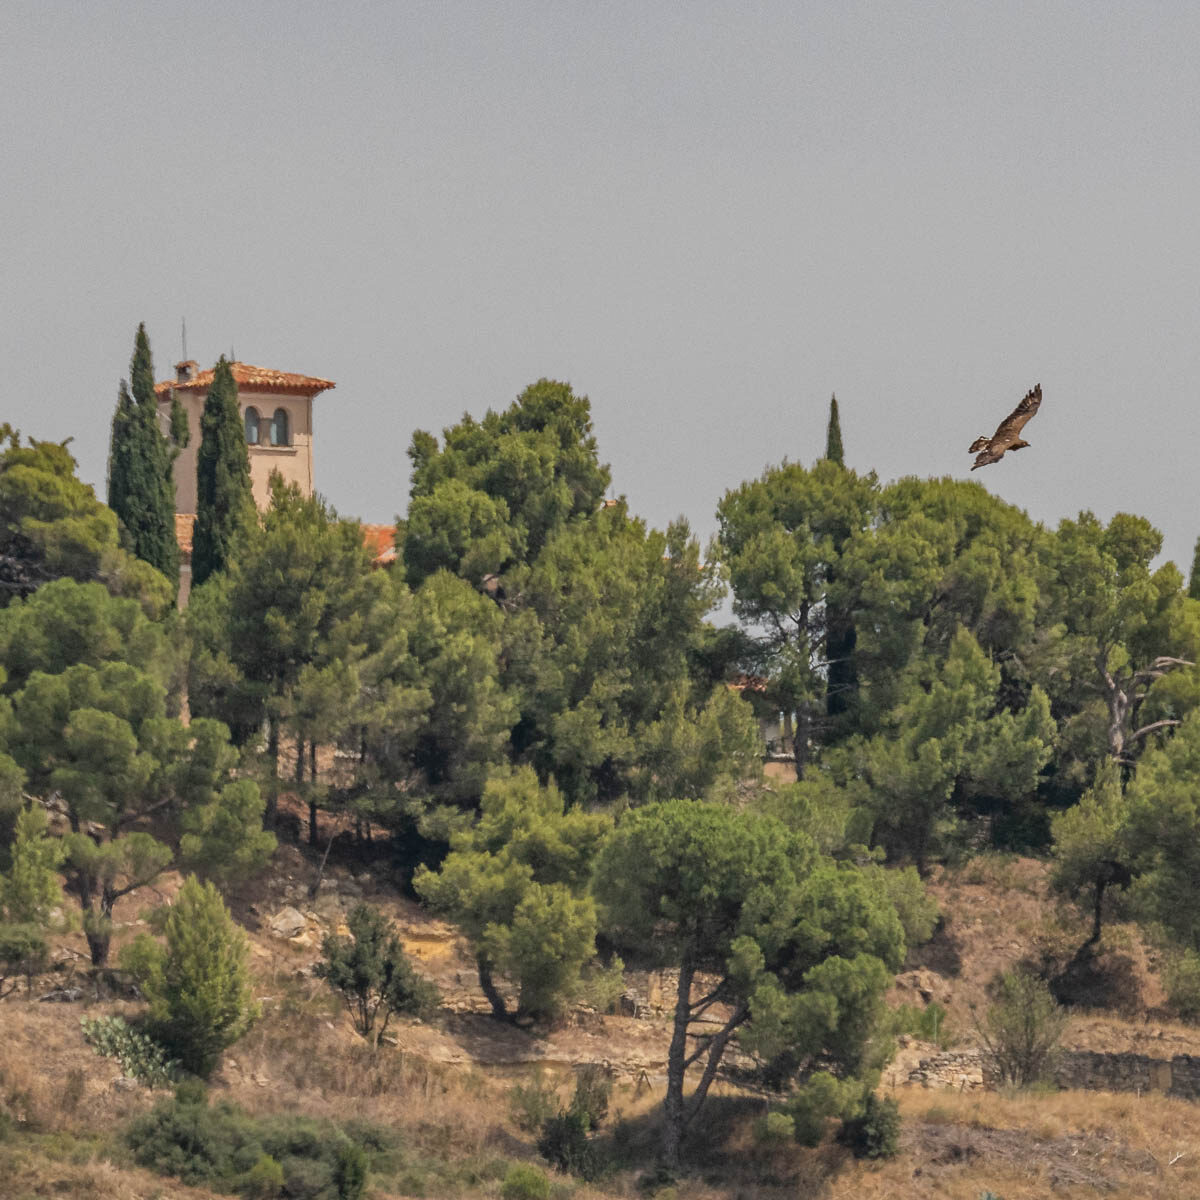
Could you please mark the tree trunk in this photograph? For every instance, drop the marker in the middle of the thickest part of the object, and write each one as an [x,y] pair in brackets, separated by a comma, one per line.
[99,936]
[1117,699]
[673,1116]
[488,986]
[716,1048]
[273,780]
[313,832]
[1097,910]
[800,739]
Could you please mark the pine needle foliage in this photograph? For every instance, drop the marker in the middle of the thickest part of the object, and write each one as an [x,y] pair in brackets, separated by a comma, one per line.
[198,986]
[373,973]
[141,484]
[833,436]
[224,501]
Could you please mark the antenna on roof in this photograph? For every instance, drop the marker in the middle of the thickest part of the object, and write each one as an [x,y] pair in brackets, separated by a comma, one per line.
[183,332]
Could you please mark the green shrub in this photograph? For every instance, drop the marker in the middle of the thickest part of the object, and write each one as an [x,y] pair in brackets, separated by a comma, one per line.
[532,1104]
[564,1144]
[775,1129]
[223,1148]
[524,1182]
[1021,1029]
[198,986]
[821,1097]
[264,1180]
[199,1144]
[593,1090]
[23,953]
[140,1056]
[373,974]
[875,1133]
[928,1023]
[602,987]
[350,1171]
[1183,985]
[918,911]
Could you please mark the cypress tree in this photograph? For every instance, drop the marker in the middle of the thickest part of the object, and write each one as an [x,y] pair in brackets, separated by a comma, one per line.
[224,501]
[840,635]
[1194,579]
[833,436]
[141,484]
[119,446]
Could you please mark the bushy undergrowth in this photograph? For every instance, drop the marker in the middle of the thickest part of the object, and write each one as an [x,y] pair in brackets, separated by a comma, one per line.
[875,1133]
[532,1104]
[775,1129]
[524,1182]
[221,1147]
[928,1023]
[564,1140]
[1182,982]
[602,987]
[140,1056]
[564,1143]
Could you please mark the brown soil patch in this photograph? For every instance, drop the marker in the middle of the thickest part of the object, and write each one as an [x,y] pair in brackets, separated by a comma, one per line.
[1077,1161]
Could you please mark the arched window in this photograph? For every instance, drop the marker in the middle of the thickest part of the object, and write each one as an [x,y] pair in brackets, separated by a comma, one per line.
[252,426]
[279,429]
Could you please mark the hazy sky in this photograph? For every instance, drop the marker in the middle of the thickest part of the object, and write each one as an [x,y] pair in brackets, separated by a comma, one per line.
[707,217]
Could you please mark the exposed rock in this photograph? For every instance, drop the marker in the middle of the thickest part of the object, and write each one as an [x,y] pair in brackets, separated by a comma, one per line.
[288,922]
[66,995]
[929,985]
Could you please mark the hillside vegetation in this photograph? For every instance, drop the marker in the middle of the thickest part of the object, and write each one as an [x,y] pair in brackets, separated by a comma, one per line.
[504,871]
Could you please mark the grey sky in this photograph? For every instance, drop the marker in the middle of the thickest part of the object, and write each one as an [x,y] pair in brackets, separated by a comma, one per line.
[706,217]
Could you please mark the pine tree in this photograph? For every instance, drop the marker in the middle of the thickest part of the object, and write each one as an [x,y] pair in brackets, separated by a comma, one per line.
[198,986]
[1194,578]
[29,889]
[141,486]
[224,501]
[833,436]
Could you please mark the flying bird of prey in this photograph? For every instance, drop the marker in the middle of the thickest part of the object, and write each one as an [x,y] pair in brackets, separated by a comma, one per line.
[1008,434]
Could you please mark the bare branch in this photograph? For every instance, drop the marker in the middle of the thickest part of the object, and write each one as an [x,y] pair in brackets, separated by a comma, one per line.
[1165,723]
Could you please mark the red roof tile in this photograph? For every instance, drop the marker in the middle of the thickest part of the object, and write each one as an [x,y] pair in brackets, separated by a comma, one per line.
[259,379]
[380,540]
[747,683]
[183,532]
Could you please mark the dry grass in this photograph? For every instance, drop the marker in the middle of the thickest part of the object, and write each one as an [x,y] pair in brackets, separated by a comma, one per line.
[454,1122]
[31,1171]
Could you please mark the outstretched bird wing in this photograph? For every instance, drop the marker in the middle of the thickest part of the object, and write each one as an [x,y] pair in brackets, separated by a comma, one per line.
[1009,430]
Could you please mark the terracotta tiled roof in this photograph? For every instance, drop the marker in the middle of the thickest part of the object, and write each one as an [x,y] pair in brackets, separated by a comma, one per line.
[747,683]
[380,540]
[183,532]
[259,379]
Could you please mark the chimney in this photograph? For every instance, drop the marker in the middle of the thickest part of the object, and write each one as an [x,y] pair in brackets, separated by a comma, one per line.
[185,372]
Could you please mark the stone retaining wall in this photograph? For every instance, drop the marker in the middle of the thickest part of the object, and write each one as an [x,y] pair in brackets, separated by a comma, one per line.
[1085,1070]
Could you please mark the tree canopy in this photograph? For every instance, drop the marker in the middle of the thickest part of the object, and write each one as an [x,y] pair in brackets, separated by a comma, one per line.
[141,484]
[801,948]
[224,502]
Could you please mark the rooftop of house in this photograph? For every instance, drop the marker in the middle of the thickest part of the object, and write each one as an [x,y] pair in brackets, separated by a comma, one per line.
[380,540]
[183,532]
[189,378]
